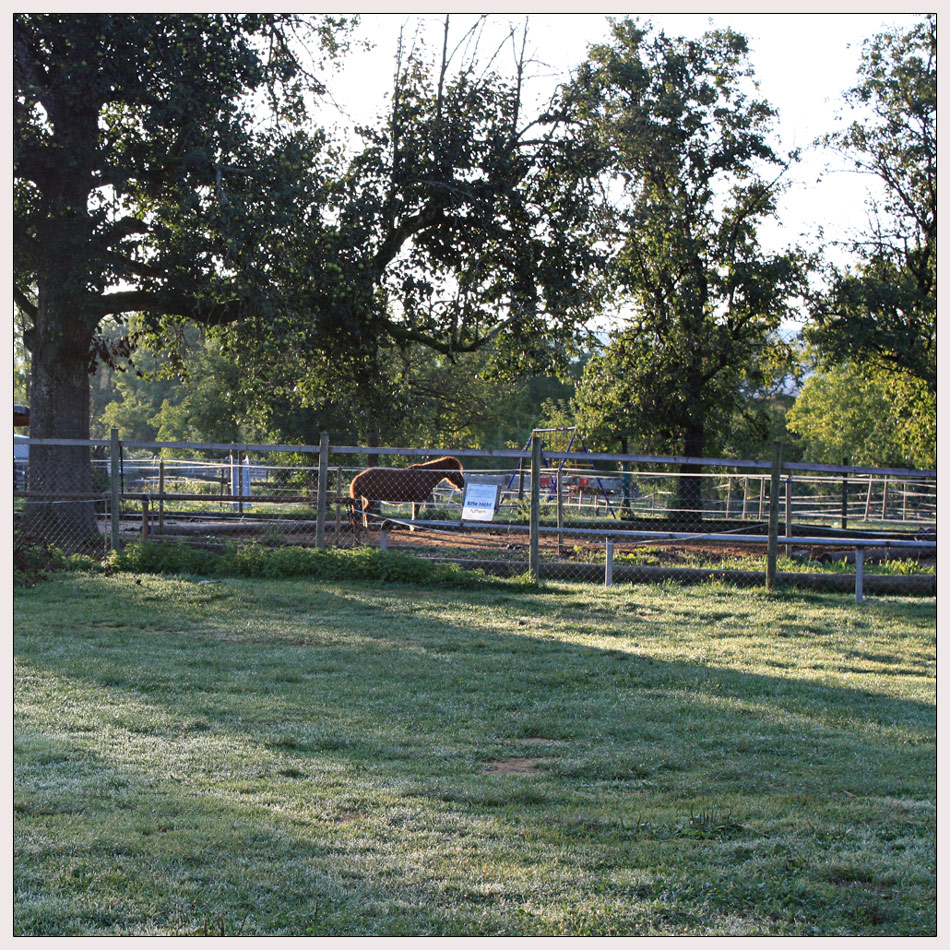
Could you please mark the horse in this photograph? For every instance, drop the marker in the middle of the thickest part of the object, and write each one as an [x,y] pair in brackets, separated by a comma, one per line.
[414,483]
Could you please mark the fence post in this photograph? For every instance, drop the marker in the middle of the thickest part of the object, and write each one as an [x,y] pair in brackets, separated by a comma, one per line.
[161,496]
[844,498]
[609,566]
[114,477]
[859,574]
[560,513]
[336,506]
[772,551]
[534,553]
[788,513]
[322,488]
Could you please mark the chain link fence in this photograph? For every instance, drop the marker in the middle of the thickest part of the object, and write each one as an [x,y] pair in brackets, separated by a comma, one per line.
[585,516]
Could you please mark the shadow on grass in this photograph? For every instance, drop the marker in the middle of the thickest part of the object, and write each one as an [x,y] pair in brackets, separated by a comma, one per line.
[381,708]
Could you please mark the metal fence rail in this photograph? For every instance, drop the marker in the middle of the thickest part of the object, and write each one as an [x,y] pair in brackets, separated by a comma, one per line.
[587,516]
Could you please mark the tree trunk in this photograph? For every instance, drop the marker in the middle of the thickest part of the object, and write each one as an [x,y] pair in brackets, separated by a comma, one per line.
[60,343]
[690,500]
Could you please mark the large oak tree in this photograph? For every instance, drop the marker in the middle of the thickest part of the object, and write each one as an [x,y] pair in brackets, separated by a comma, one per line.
[142,170]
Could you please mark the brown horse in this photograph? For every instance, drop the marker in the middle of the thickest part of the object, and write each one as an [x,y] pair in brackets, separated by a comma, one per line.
[414,483]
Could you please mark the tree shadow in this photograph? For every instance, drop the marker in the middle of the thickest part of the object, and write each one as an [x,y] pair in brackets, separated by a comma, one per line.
[387,707]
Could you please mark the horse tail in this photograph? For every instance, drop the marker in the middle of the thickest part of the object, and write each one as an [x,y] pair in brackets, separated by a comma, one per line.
[355,504]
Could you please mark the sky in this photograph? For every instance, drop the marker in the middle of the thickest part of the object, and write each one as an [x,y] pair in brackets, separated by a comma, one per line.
[803,62]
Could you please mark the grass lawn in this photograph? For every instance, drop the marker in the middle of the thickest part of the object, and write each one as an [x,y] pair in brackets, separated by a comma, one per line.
[309,757]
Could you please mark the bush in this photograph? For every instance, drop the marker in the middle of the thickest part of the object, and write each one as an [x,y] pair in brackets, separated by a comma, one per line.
[34,561]
[256,560]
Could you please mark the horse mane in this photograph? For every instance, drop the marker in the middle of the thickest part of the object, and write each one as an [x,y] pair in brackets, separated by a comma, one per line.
[445,462]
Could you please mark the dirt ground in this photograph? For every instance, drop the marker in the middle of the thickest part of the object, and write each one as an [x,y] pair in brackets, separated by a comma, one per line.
[502,543]
[515,545]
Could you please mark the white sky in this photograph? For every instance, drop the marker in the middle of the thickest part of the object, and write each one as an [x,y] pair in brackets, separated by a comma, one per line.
[803,62]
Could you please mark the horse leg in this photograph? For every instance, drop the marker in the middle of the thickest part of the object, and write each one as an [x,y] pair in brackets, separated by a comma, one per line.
[415,515]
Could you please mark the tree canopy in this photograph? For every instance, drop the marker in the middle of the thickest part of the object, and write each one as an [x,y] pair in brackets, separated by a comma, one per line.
[882,311]
[460,225]
[141,158]
[143,178]
[868,416]
[676,125]
[175,180]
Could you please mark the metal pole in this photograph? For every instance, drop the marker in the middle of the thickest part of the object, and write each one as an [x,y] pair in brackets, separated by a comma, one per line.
[859,575]
[339,495]
[534,555]
[560,513]
[844,498]
[609,567]
[322,488]
[114,476]
[161,496]
[788,513]
[772,551]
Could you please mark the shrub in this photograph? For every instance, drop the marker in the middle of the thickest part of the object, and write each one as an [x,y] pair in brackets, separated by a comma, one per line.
[34,561]
[256,560]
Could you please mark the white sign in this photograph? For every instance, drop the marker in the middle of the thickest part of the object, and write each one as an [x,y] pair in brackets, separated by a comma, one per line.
[480,501]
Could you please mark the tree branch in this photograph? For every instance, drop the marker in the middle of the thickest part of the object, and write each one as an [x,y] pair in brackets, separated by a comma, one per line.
[24,303]
[432,214]
[205,312]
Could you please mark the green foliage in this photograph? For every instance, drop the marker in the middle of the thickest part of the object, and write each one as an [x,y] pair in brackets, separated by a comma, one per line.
[450,232]
[688,150]
[883,311]
[141,162]
[255,560]
[871,417]
[34,562]
[147,179]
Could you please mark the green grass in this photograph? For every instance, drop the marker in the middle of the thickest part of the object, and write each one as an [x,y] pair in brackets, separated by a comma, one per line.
[756,562]
[327,757]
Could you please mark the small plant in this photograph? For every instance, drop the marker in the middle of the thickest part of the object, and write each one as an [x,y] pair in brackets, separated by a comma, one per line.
[32,561]
[708,825]
[218,927]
